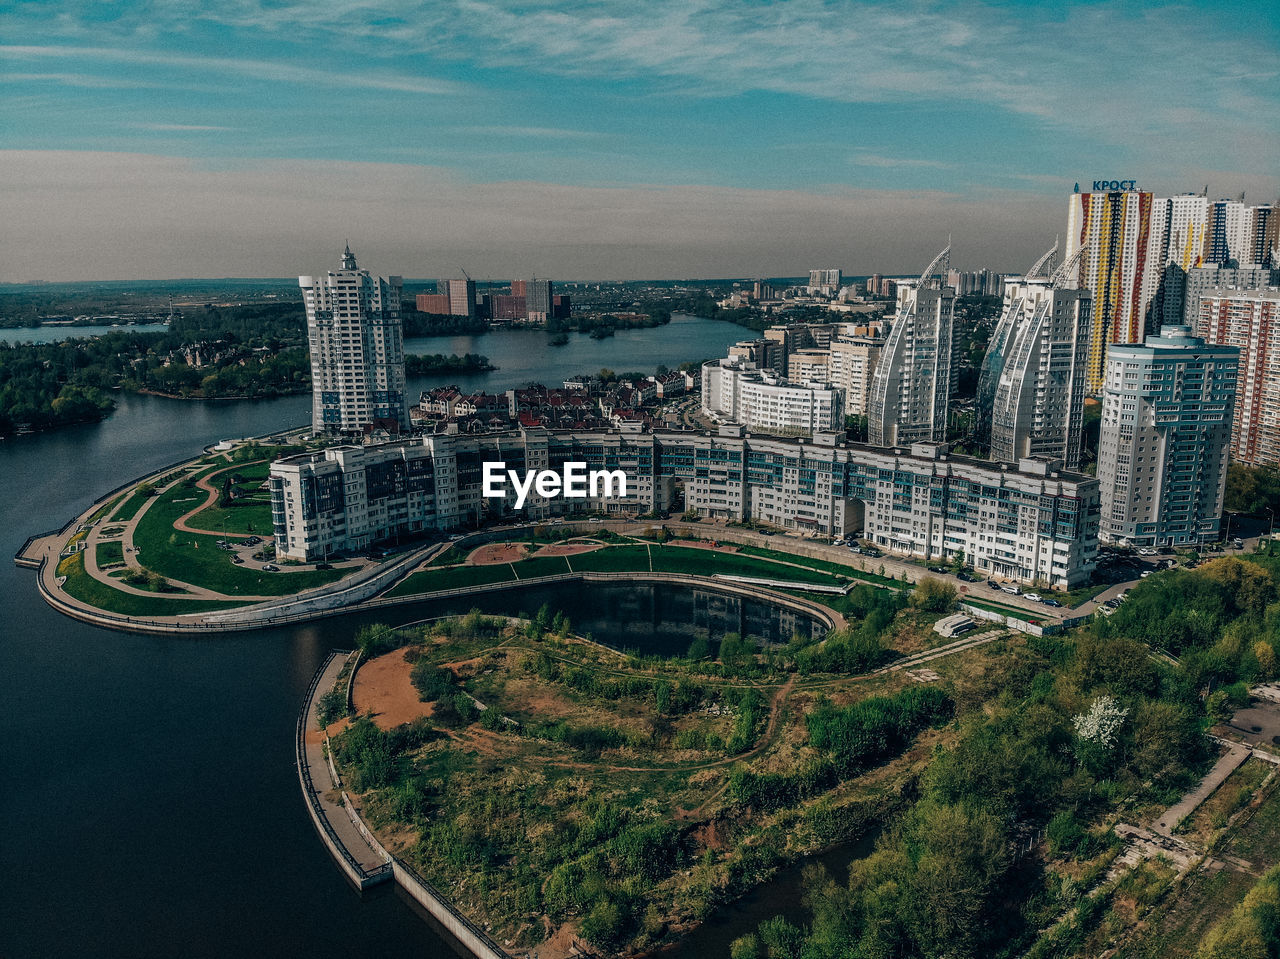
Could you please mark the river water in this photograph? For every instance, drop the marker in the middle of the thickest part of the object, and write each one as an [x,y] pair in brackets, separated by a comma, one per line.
[53,334]
[152,807]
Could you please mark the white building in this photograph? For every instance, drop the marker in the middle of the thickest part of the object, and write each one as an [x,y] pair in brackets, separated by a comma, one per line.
[356,343]
[1167,408]
[1037,401]
[735,391]
[912,383]
[1034,523]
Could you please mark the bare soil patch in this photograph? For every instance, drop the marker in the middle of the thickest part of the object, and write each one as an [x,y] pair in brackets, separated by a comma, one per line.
[701,544]
[495,554]
[566,549]
[384,689]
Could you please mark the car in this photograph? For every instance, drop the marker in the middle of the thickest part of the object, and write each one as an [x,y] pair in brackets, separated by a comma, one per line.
[1238,543]
[253,541]
[222,542]
[1012,588]
[855,549]
[1034,597]
[1052,602]
[324,566]
[938,569]
[1146,551]
[1145,573]
[270,568]
[237,560]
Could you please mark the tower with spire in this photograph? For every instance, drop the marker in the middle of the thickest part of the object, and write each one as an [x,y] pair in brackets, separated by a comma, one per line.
[356,343]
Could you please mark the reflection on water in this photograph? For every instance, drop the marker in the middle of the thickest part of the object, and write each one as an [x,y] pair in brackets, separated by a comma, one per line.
[649,618]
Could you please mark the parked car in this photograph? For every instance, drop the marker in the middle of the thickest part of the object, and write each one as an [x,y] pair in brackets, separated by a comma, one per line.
[1012,588]
[1146,551]
[1034,597]
[270,568]
[1052,602]
[237,560]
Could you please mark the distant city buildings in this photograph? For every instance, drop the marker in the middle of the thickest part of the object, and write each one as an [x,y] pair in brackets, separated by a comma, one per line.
[356,345]
[912,383]
[1249,320]
[452,298]
[825,282]
[1167,408]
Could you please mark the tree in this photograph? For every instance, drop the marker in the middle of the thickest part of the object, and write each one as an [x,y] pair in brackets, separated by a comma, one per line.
[933,595]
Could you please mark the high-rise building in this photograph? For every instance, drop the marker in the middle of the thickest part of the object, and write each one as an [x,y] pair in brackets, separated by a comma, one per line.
[850,370]
[1228,237]
[912,382]
[1264,235]
[537,298]
[736,392]
[1038,404]
[825,281]
[1179,226]
[1208,278]
[1167,407]
[1117,269]
[356,343]
[1250,321]
[462,296]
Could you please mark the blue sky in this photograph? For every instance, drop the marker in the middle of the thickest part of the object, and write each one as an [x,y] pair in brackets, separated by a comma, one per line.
[640,138]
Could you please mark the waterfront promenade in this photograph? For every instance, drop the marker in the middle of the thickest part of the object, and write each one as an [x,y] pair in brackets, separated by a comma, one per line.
[363,864]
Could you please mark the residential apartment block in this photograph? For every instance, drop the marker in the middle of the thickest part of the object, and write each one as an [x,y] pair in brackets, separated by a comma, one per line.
[734,390]
[356,345]
[1250,321]
[912,383]
[1167,408]
[1032,523]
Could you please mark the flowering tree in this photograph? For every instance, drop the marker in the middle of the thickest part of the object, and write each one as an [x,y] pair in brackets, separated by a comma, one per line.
[1096,732]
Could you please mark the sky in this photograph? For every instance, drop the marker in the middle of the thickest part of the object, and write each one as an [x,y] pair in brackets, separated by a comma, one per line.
[631,139]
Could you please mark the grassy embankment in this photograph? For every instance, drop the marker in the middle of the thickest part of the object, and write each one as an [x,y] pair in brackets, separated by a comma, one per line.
[80,585]
[616,559]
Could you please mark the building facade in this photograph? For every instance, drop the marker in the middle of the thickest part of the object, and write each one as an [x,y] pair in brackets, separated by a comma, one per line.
[1249,321]
[356,345]
[850,368]
[1037,401]
[1167,409]
[1117,269]
[734,391]
[1228,242]
[1034,523]
[912,383]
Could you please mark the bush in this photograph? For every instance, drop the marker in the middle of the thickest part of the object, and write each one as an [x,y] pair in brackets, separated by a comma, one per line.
[933,595]
[332,707]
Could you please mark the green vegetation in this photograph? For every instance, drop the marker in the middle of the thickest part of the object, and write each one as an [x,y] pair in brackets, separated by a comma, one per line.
[195,557]
[243,507]
[131,506]
[110,553]
[422,365]
[80,585]
[610,559]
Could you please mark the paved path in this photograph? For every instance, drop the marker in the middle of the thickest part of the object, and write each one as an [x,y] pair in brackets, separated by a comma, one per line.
[322,784]
[1166,821]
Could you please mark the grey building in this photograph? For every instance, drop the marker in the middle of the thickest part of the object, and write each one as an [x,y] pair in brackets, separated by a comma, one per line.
[1037,404]
[912,383]
[1167,407]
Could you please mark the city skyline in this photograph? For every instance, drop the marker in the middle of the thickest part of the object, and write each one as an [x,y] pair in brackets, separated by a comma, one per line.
[592,141]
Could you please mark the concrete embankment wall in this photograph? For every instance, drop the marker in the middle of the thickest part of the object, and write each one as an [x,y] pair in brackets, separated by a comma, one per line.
[467,934]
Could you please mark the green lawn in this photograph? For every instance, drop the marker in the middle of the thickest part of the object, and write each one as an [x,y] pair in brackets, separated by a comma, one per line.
[830,566]
[129,508]
[85,588]
[432,580]
[248,513]
[195,557]
[109,553]
[611,559]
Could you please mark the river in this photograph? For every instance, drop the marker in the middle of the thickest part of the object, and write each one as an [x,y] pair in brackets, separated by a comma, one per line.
[152,807]
[53,334]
